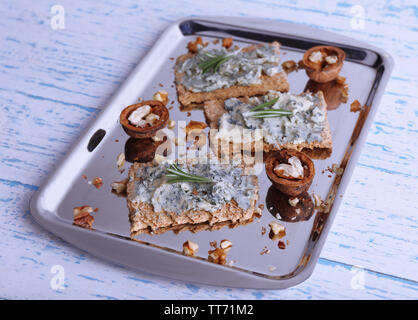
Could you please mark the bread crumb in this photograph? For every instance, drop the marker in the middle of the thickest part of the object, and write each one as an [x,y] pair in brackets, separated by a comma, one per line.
[289,66]
[227,43]
[217,255]
[171,124]
[120,161]
[257,213]
[277,231]
[190,248]
[161,96]
[355,106]
[344,91]
[193,46]
[97,182]
[119,187]
[265,251]
[83,217]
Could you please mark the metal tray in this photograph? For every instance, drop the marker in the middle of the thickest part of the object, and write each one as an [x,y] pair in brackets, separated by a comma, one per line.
[367,70]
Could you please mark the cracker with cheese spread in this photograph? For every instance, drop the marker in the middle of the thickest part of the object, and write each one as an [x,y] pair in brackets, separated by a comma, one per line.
[212,74]
[157,203]
[287,121]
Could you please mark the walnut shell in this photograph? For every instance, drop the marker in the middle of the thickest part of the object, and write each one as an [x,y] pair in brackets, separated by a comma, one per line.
[323,72]
[290,186]
[157,108]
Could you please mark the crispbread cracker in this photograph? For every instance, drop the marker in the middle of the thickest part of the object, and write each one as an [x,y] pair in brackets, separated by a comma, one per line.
[214,110]
[192,100]
[144,219]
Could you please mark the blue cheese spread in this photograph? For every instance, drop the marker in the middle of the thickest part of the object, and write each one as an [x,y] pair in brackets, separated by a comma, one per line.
[228,183]
[306,123]
[242,68]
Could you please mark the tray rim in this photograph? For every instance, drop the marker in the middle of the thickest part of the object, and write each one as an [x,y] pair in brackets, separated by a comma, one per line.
[234,276]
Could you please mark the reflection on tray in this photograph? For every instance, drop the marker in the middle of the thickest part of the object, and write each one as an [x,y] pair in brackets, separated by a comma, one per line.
[335,92]
[143,150]
[278,205]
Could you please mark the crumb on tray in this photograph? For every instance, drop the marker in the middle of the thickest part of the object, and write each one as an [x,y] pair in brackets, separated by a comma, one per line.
[227,43]
[277,231]
[218,255]
[97,182]
[120,161]
[289,66]
[355,106]
[161,96]
[190,248]
[193,46]
[83,217]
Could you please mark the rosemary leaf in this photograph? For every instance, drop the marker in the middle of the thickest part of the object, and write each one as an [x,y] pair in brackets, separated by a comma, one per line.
[265,104]
[213,62]
[177,175]
[269,113]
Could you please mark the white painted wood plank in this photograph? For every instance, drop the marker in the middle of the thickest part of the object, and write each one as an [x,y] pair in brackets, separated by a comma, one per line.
[54,82]
[28,253]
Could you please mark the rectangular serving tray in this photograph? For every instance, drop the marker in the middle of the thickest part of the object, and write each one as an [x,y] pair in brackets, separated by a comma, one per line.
[367,70]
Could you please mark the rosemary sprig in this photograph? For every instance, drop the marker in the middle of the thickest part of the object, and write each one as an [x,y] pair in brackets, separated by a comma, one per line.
[265,104]
[213,62]
[269,113]
[177,175]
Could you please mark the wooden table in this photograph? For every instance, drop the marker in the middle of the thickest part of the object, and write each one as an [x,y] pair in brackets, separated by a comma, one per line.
[55,77]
